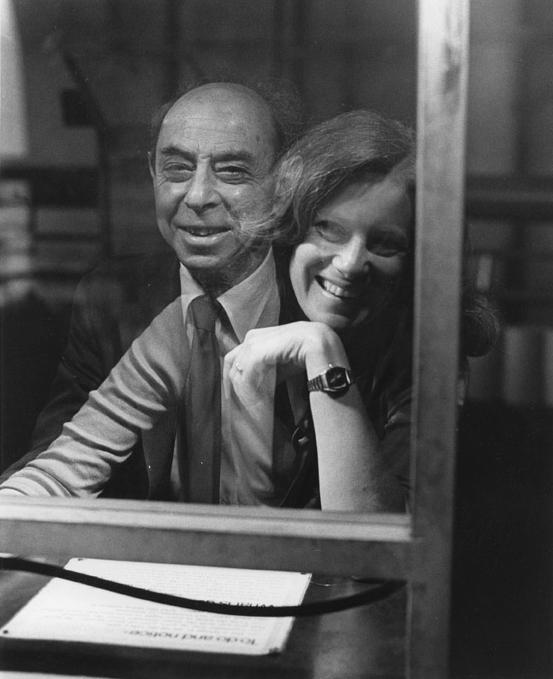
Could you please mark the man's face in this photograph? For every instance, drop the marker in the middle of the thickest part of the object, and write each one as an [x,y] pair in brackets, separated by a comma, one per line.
[213,157]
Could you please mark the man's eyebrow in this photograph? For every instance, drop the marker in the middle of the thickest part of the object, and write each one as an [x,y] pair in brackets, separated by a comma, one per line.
[238,155]
[172,150]
[227,156]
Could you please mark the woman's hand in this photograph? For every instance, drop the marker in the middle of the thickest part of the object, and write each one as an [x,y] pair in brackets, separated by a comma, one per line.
[293,347]
[353,473]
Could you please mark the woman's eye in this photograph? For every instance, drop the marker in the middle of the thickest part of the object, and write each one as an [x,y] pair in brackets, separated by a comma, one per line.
[330,232]
[388,248]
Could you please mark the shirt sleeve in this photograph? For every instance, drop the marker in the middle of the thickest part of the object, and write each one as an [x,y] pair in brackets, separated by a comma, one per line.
[146,382]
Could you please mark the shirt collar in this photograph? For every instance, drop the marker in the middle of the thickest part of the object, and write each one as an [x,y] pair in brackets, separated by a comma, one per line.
[189,287]
[252,298]
[253,302]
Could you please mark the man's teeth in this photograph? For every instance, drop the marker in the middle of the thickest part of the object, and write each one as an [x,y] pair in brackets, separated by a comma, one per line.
[205,231]
[337,291]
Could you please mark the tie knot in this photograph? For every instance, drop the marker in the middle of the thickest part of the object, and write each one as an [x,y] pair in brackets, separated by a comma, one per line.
[203,312]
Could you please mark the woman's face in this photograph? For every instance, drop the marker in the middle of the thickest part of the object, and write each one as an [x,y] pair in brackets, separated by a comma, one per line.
[351,263]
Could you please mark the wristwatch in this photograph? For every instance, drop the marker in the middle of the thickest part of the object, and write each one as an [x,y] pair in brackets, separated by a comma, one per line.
[334,381]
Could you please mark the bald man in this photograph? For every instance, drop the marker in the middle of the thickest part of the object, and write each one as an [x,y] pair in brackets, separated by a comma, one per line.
[213,154]
[213,148]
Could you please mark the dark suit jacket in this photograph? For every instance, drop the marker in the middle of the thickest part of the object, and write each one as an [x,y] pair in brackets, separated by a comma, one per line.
[113,305]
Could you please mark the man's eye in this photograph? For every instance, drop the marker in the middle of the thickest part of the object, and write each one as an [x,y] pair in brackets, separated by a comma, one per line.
[177,171]
[233,173]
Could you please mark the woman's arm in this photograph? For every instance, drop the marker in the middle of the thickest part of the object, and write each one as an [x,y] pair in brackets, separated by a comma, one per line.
[145,383]
[354,471]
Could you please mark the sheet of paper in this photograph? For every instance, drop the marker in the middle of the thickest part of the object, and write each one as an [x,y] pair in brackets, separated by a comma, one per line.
[67,611]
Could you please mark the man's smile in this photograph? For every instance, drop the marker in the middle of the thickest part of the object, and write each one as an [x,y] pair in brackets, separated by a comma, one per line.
[204,231]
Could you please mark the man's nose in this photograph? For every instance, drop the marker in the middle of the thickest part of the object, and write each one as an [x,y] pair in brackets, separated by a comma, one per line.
[201,193]
[352,260]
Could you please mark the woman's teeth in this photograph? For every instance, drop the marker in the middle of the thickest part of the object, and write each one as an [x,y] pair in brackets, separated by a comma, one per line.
[338,291]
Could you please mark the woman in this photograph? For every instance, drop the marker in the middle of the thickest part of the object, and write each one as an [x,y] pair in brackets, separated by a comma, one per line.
[349,214]
[344,224]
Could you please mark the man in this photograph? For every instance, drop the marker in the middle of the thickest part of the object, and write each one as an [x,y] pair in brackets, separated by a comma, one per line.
[213,151]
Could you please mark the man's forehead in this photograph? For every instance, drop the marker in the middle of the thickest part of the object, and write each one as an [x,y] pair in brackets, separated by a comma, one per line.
[215,136]
[213,122]
[202,134]
[220,111]
[224,150]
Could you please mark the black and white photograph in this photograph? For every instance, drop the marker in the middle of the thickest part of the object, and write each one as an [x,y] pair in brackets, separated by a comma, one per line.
[276,339]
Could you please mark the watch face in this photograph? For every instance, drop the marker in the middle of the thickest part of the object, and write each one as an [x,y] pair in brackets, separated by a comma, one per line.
[337,378]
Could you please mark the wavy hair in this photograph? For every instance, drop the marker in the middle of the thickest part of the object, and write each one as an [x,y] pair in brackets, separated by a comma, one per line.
[353,147]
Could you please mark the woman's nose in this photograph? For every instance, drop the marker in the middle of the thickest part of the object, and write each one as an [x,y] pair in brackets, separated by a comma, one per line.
[352,260]
[200,193]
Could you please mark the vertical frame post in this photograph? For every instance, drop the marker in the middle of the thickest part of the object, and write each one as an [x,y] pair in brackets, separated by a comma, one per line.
[441,122]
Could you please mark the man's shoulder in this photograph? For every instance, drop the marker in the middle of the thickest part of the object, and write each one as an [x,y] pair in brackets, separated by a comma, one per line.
[145,282]
[131,269]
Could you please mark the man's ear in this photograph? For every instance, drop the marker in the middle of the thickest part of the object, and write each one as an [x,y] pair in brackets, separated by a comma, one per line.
[151,165]
[286,178]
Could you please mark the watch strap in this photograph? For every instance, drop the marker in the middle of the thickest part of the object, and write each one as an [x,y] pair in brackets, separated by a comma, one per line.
[321,382]
[318,383]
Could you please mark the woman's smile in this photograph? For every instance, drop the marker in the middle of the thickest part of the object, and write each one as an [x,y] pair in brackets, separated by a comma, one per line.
[341,291]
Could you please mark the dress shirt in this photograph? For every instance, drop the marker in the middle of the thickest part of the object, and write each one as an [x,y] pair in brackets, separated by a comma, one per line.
[249,443]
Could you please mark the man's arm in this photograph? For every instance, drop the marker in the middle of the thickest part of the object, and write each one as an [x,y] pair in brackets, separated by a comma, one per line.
[145,384]
[112,306]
